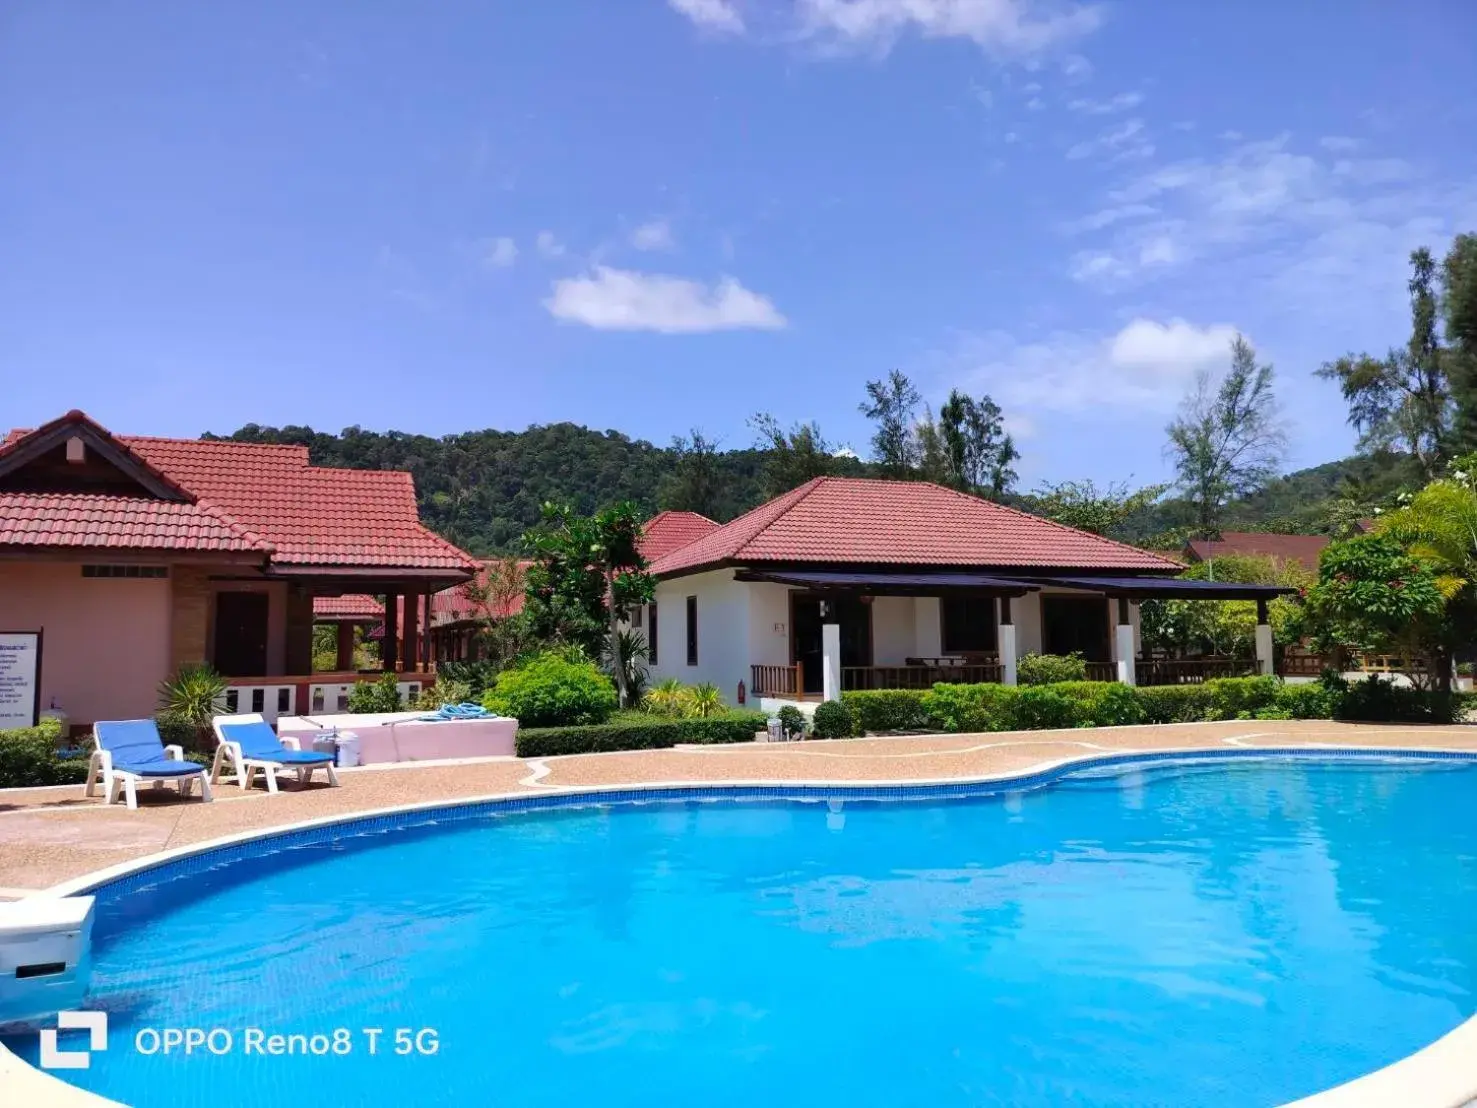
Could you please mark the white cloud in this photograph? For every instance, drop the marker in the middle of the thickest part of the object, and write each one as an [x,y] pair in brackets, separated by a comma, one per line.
[1125,140]
[1145,367]
[1338,144]
[1007,27]
[711,15]
[499,253]
[610,299]
[1273,217]
[1124,101]
[548,245]
[653,235]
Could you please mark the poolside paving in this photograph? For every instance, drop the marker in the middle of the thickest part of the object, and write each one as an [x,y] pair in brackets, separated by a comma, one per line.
[51,835]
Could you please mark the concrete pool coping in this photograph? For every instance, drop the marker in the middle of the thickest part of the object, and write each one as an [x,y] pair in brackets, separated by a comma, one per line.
[1441,1075]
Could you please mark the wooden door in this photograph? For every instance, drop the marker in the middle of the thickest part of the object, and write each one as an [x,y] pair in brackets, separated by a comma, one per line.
[241,633]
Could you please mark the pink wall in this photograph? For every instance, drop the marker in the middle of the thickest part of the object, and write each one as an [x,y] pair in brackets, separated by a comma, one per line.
[106,642]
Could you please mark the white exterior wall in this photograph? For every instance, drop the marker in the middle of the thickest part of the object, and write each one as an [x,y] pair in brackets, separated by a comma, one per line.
[928,628]
[1025,612]
[769,626]
[894,630]
[723,628]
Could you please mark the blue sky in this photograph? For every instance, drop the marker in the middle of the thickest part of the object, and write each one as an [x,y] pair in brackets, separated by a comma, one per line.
[656,214]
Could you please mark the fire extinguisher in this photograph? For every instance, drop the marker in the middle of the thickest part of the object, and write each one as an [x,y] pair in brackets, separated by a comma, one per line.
[741,692]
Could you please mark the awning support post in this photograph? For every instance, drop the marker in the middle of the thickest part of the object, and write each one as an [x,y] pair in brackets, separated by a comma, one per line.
[1006,640]
[831,661]
[1264,659]
[1123,643]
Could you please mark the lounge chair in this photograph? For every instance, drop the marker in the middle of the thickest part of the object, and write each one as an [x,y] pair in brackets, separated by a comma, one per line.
[130,751]
[248,746]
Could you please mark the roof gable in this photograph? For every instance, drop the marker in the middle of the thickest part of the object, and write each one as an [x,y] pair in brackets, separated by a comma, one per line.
[859,521]
[668,531]
[74,455]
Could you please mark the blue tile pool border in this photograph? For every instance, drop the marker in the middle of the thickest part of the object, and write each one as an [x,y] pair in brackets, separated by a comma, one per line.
[150,875]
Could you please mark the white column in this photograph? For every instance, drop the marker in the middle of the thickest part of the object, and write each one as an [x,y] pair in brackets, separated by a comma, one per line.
[1264,648]
[1006,641]
[1123,645]
[831,661]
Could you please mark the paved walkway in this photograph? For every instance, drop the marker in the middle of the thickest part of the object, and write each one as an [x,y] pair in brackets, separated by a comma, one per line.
[51,835]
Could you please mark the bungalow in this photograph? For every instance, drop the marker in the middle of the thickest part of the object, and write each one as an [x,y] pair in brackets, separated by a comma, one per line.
[1302,549]
[132,556]
[847,583]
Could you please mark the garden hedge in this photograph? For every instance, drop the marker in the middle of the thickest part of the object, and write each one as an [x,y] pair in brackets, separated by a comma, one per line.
[629,733]
[28,758]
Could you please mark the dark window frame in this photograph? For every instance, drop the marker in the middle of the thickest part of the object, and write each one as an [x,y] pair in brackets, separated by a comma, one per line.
[651,625]
[692,630]
[955,625]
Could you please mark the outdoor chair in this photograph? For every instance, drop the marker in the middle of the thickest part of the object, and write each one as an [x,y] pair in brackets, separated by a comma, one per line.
[247,745]
[129,752]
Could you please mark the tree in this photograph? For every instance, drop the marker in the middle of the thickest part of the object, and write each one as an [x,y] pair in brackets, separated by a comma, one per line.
[696,481]
[890,404]
[1402,399]
[586,571]
[791,457]
[1374,596]
[493,596]
[1190,627]
[1459,314]
[978,454]
[1081,504]
[1226,440]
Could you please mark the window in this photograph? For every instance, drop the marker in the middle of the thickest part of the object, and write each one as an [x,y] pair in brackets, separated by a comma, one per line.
[651,634]
[969,624]
[633,616]
[692,630]
[154,572]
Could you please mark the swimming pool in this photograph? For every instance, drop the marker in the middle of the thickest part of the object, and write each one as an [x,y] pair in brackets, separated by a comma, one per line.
[1209,932]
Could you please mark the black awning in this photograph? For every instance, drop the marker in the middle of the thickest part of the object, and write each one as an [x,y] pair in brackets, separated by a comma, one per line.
[1166,588]
[891,584]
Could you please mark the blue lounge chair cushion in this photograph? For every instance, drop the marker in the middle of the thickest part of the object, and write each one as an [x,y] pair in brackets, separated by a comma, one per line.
[260,743]
[135,747]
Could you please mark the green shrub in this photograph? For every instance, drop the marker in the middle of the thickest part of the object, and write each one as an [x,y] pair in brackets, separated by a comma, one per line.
[793,720]
[969,708]
[1176,703]
[551,690]
[1103,703]
[832,720]
[638,733]
[444,691]
[477,676]
[1240,697]
[1305,701]
[887,710]
[28,758]
[1374,700]
[1041,708]
[193,691]
[1050,669]
[375,696]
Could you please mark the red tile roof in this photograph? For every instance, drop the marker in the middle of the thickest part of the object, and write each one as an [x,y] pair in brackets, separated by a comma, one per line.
[1283,548]
[454,605]
[669,531]
[304,515]
[355,606]
[848,520]
[120,523]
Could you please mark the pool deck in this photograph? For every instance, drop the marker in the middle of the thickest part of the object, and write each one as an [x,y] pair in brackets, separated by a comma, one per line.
[52,835]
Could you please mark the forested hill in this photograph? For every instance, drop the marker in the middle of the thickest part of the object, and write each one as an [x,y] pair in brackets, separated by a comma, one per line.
[483,489]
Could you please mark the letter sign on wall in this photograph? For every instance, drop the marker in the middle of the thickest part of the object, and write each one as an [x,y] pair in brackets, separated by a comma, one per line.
[20,678]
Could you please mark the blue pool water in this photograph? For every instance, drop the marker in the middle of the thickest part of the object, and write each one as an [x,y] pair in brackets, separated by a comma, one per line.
[1236,933]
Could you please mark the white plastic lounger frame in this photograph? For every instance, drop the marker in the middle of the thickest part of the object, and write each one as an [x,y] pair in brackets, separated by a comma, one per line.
[100,771]
[230,761]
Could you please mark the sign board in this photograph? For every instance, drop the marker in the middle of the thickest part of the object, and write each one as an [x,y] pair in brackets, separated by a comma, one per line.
[20,679]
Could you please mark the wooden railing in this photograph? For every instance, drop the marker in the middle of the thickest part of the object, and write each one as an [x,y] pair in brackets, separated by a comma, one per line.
[1302,663]
[856,678]
[1191,671]
[779,681]
[1102,671]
